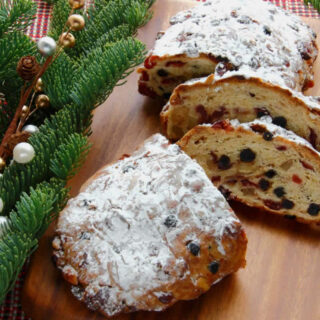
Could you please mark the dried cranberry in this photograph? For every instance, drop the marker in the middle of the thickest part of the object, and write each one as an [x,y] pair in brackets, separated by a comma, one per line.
[144,76]
[272,204]
[149,63]
[214,267]
[287,204]
[270,173]
[267,136]
[218,114]
[162,73]
[147,91]
[280,121]
[194,248]
[264,184]
[313,137]
[170,221]
[224,162]
[247,155]
[279,192]
[281,148]
[306,165]
[257,128]
[296,179]
[204,118]
[313,209]
[215,179]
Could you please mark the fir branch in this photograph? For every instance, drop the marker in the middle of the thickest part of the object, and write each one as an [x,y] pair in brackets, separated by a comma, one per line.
[16,15]
[314,3]
[69,157]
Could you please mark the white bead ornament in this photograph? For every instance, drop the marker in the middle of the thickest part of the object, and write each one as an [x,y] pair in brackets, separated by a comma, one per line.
[23,152]
[30,128]
[47,46]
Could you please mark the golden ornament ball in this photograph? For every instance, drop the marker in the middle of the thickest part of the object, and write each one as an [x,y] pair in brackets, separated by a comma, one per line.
[76,22]
[42,101]
[67,40]
[24,109]
[76,4]
[39,86]
[2,164]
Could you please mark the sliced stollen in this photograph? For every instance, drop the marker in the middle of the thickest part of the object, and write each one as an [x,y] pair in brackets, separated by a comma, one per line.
[147,231]
[259,164]
[236,33]
[241,96]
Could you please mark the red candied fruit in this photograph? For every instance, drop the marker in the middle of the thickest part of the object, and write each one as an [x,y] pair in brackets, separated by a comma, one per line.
[281,148]
[144,76]
[222,124]
[273,204]
[296,179]
[145,90]
[149,63]
[204,117]
[175,64]
[306,165]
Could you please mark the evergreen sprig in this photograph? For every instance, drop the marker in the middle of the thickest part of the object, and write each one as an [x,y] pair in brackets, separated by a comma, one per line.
[314,3]
[78,81]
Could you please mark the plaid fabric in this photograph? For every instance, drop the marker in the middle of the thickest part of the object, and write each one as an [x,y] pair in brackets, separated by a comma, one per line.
[11,309]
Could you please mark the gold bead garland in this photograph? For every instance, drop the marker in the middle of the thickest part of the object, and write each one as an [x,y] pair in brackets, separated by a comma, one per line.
[76,22]
[42,101]
[76,4]
[67,40]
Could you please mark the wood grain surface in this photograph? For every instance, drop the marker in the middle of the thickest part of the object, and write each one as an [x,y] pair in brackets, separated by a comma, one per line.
[281,280]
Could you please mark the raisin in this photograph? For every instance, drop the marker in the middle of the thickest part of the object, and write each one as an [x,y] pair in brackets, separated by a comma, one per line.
[313,209]
[290,216]
[224,162]
[261,112]
[280,121]
[204,118]
[264,184]
[281,148]
[313,137]
[166,298]
[194,248]
[214,267]
[267,30]
[272,204]
[279,192]
[162,73]
[252,95]
[170,221]
[267,136]
[247,155]
[270,173]
[287,204]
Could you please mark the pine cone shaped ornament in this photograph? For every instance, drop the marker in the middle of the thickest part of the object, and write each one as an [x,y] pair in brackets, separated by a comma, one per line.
[28,67]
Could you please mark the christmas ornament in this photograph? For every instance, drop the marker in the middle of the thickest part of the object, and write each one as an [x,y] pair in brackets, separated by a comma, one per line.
[42,101]
[67,40]
[30,128]
[76,4]
[15,139]
[76,22]
[24,109]
[28,67]
[47,46]
[2,164]
[23,152]
[39,86]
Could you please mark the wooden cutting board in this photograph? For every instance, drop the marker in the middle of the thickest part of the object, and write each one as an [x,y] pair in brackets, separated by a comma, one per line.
[281,280]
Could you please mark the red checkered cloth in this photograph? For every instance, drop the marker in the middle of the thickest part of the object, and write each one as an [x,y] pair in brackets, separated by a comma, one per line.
[11,309]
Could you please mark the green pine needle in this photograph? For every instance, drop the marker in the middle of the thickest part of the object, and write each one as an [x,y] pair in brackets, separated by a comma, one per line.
[314,3]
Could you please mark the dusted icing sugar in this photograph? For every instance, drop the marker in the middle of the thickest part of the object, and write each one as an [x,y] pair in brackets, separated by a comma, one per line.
[125,224]
[249,33]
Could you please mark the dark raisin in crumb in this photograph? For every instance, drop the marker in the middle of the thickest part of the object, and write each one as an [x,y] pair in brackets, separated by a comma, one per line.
[267,30]
[290,216]
[167,95]
[313,209]
[166,298]
[262,112]
[224,162]
[267,136]
[270,173]
[280,121]
[279,192]
[162,73]
[287,204]
[252,94]
[247,155]
[264,184]
[170,221]
[214,267]
[194,248]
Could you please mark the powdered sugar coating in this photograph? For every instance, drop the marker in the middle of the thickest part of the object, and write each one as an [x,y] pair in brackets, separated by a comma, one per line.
[123,227]
[246,33]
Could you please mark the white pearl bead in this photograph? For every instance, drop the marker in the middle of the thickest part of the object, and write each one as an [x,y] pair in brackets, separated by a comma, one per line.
[47,46]
[30,128]
[1,208]
[23,152]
